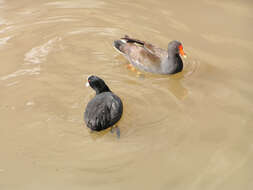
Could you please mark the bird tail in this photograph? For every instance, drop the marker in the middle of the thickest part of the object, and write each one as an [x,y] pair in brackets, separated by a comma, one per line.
[119,44]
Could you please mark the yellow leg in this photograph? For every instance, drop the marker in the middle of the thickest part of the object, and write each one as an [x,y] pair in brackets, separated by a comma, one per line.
[131,67]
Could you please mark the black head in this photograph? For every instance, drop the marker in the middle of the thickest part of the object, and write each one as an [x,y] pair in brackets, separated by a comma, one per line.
[175,47]
[97,84]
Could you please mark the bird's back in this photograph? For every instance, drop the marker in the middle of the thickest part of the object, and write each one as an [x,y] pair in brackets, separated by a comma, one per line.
[103,111]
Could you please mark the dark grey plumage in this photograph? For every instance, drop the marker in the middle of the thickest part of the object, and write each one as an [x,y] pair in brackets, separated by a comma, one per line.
[105,109]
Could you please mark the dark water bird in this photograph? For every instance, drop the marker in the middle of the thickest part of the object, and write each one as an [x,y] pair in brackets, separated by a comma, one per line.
[150,58]
[105,109]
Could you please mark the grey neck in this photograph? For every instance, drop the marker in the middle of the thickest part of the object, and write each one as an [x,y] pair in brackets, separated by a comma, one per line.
[172,64]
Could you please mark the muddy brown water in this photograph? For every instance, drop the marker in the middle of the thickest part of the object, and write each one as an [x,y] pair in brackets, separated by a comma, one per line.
[193,130]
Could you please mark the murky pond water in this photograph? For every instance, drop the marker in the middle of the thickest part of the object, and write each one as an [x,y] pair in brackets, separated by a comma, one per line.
[192,130]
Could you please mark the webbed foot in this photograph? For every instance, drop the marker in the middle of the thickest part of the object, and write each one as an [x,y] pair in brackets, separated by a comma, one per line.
[117,131]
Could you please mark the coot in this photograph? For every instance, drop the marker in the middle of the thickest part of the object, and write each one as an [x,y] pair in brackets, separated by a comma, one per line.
[105,109]
[150,58]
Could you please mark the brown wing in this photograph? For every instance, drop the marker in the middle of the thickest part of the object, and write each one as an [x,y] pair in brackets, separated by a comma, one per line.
[148,46]
[142,58]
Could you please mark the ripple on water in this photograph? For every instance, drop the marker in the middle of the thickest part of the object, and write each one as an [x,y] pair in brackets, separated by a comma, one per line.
[106,31]
[4,27]
[191,65]
[59,19]
[77,4]
[39,54]
[33,71]
[4,40]
[36,55]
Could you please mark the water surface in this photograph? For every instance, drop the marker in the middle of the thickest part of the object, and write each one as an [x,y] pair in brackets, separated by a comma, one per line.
[192,130]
